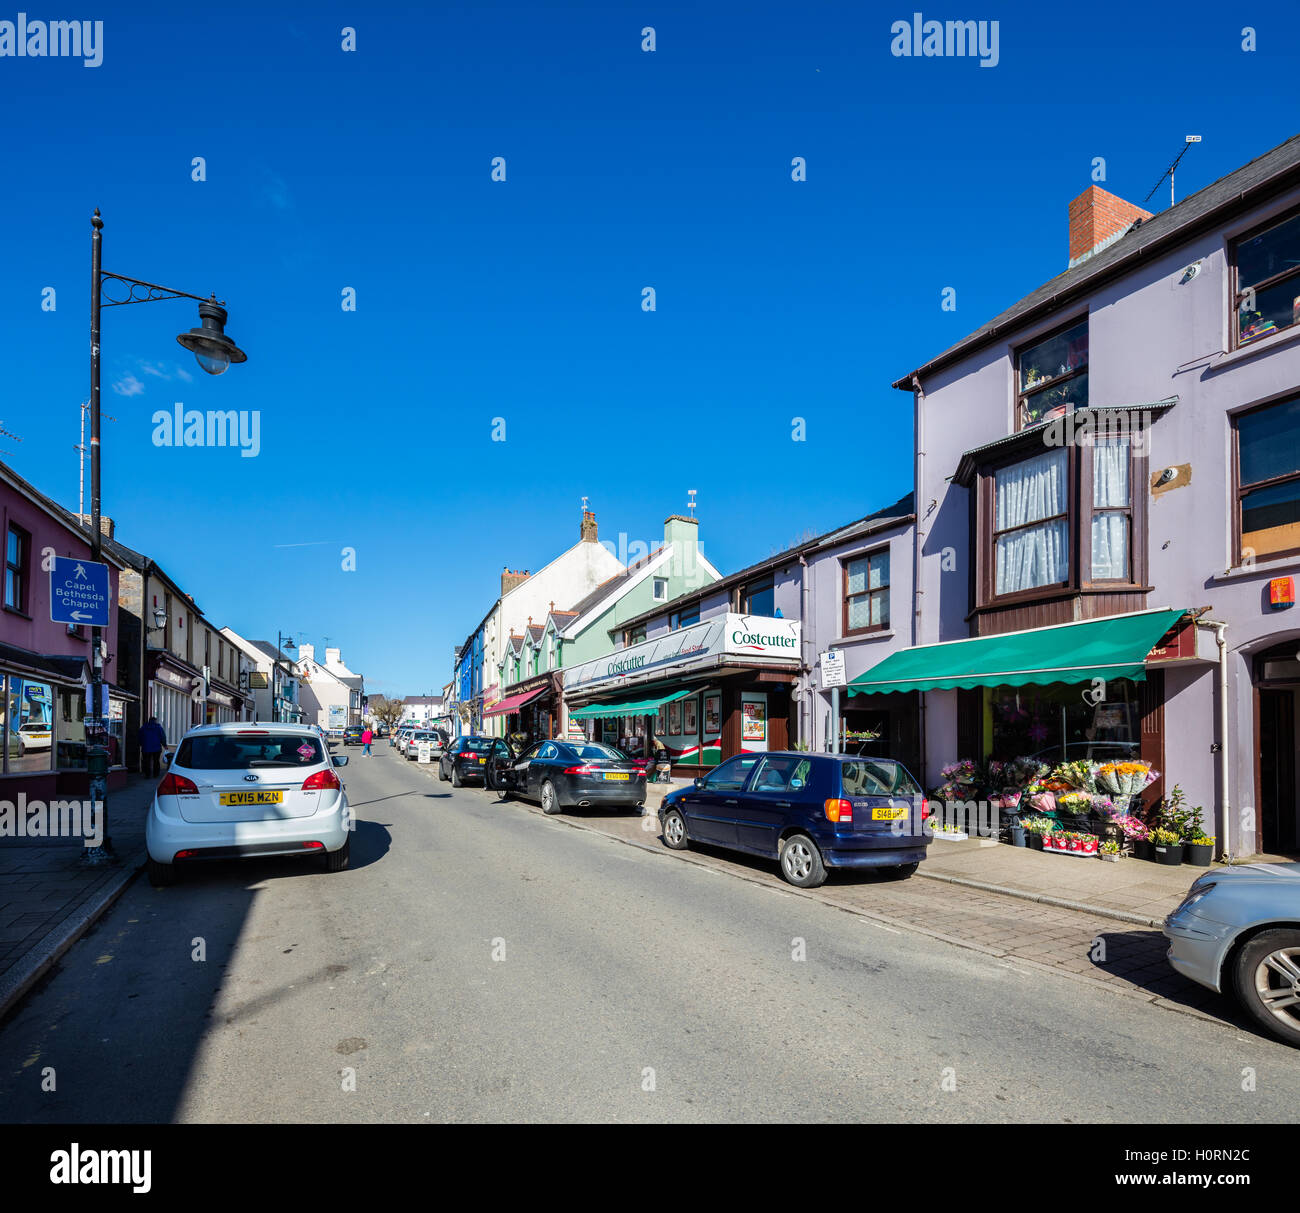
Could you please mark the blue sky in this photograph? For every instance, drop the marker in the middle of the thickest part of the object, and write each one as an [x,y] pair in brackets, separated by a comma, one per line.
[479,299]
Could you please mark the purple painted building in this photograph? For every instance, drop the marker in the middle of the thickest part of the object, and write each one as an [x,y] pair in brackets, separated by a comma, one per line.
[45,666]
[1108,500]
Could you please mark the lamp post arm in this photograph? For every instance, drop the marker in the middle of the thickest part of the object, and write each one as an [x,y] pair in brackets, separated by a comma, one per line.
[140,291]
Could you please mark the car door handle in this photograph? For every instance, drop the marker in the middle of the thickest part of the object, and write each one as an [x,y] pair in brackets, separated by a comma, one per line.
[731,802]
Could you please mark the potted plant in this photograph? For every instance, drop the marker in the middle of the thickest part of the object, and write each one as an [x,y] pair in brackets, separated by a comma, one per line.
[1198,850]
[1135,833]
[1109,851]
[1168,846]
[1015,832]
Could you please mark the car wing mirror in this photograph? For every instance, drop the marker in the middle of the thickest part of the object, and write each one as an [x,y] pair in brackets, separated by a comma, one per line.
[340,760]
[699,781]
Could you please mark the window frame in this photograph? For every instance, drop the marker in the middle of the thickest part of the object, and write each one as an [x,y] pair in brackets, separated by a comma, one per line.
[845,561]
[21,570]
[655,584]
[746,593]
[1234,280]
[1239,490]
[1018,420]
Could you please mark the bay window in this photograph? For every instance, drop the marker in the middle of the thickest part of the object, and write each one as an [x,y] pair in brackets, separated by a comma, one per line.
[1031,535]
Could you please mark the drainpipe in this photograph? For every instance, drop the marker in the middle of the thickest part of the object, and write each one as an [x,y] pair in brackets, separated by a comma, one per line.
[918,425]
[806,702]
[1220,639]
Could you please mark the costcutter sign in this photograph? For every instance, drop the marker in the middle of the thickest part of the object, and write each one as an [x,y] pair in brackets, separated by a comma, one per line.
[704,643]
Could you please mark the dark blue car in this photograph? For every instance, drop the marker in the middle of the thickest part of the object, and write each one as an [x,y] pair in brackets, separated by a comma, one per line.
[809,812]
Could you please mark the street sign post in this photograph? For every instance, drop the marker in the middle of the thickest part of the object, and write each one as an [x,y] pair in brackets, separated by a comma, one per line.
[833,677]
[79,592]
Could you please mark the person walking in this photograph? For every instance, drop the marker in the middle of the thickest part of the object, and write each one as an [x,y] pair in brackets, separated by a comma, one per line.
[366,738]
[152,741]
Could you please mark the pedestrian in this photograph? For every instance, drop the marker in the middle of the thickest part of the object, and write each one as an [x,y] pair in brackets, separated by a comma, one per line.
[366,738]
[152,740]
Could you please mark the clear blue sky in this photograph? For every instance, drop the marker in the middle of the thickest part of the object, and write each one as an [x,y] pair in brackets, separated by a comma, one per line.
[522,300]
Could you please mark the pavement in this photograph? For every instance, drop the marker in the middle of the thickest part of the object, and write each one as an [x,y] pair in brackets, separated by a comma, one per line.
[482,962]
[49,897]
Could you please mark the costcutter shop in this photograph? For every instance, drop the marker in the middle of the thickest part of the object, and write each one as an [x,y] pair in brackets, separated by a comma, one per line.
[705,692]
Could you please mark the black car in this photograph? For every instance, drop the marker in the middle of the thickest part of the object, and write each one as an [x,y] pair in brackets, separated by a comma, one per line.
[465,760]
[352,735]
[809,812]
[560,773]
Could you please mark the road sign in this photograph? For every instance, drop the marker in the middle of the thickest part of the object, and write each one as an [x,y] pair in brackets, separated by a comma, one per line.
[79,592]
[833,669]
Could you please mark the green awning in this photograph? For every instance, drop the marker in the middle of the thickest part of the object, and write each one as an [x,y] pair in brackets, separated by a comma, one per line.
[1116,647]
[628,707]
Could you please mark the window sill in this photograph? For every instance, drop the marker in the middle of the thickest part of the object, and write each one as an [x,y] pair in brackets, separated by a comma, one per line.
[858,637]
[1271,342]
[15,611]
[1261,568]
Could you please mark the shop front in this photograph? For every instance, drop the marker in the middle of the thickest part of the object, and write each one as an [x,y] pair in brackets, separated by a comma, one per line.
[695,696]
[529,710]
[172,687]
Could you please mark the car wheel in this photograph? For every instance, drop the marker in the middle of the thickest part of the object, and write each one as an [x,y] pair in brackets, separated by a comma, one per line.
[550,801]
[675,830]
[1267,980]
[801,862]
[160,874]
[336,861]
[900,871]
[455,777]
[442,774]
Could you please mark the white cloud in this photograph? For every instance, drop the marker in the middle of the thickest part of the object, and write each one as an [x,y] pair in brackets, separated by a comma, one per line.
[129,386]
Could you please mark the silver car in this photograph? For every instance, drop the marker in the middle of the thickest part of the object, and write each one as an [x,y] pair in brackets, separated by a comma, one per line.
[411,746]
[1238,930]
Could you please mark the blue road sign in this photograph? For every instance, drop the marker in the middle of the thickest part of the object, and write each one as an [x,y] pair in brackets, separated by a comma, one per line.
[79,592]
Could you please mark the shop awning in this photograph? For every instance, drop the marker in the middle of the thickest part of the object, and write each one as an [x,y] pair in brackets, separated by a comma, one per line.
[1115,647]
[628,707]
[513,702]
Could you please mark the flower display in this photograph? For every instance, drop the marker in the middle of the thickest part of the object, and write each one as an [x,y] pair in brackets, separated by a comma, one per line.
[1135,830]
[1125,778]
[1074,802]
[1163,837]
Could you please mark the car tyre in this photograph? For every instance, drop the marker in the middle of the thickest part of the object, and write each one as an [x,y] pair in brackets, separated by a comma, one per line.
[455,777]
[161,875]
[550,801]
[337,861]
[801,862]
[674,831]
[1267,969]
[899,871]
[442,774]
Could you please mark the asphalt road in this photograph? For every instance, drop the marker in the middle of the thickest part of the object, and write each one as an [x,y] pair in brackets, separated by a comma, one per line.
[480,962]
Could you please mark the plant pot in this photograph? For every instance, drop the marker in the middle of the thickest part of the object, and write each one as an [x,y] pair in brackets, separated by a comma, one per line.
[1171,856]
[1017,835]
[1109,858]
[1035,841]
[1197,854]
[1142,849]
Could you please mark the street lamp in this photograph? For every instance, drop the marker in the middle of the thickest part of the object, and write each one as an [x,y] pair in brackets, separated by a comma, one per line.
[215,352]
[281,642]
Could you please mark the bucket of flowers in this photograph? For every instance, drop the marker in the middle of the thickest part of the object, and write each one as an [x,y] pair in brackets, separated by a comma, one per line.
[1074,808]
[1110,851]
[1136,834]
[1036,829]
[1168,846]
[1198,848]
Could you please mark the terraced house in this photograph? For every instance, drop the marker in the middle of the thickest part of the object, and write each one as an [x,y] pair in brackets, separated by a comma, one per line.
[1108,501]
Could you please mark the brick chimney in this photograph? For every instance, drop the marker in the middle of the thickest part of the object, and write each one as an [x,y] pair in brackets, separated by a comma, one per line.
[1096,218]
[587,532]
[105,524]
[511,578]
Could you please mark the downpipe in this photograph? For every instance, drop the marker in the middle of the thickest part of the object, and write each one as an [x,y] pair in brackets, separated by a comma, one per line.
[1225,800]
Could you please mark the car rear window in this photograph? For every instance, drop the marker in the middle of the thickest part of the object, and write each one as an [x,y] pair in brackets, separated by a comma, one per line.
[594,751]
[236,751]
[475,745]
[876,777]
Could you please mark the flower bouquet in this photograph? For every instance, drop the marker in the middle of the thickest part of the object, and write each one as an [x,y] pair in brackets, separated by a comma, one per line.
[1079,774]
[1125,778]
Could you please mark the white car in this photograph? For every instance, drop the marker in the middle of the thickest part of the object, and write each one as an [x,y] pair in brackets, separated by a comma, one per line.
[240,790]
[33,736]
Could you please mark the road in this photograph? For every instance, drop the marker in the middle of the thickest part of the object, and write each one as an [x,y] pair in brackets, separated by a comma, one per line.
[480,962]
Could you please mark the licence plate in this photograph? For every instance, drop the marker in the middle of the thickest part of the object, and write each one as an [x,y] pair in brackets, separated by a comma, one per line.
[623,777]
[233,798]
[481,761]
[888,814]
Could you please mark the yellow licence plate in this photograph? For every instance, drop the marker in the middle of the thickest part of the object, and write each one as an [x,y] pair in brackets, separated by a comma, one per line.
[890,814]
[482,761]
[233,798]
[624,777]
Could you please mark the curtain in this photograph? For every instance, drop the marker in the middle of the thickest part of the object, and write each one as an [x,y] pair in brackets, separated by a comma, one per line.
[1024,494]
[1110,490]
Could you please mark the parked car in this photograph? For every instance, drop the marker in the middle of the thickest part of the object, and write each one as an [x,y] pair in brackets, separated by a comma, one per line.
[238,791]
[809,812]
[400,735]
[33,736]
[381,730]
[1238,931]
[352,734]
[564,773]
[465,759]
[411,746]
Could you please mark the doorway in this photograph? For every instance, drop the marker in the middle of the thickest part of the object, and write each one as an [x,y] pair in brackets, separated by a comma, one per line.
[1277,687]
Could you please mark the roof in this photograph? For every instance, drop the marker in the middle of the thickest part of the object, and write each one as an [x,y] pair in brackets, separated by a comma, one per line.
[266,647]
[900,512]
[354,681]
[535,631]
[66,517]
[1272,173]
[433,700]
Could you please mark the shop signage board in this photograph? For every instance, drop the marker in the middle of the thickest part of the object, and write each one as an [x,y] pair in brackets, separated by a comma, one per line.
[338,715]
[701,644]
[79,592]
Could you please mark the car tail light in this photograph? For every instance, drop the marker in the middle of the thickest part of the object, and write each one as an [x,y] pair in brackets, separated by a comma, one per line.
[925,808]
[840,811]
[322,779]
[313,846]
[177,785]
[579,770]
[253,733]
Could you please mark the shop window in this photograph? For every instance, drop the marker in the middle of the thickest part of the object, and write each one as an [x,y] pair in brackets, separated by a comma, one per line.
[759,597]
[1052,375]
[17,553]
[1055,723]
[866,593]
[29,726]
[1268,480]
[1267,268]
